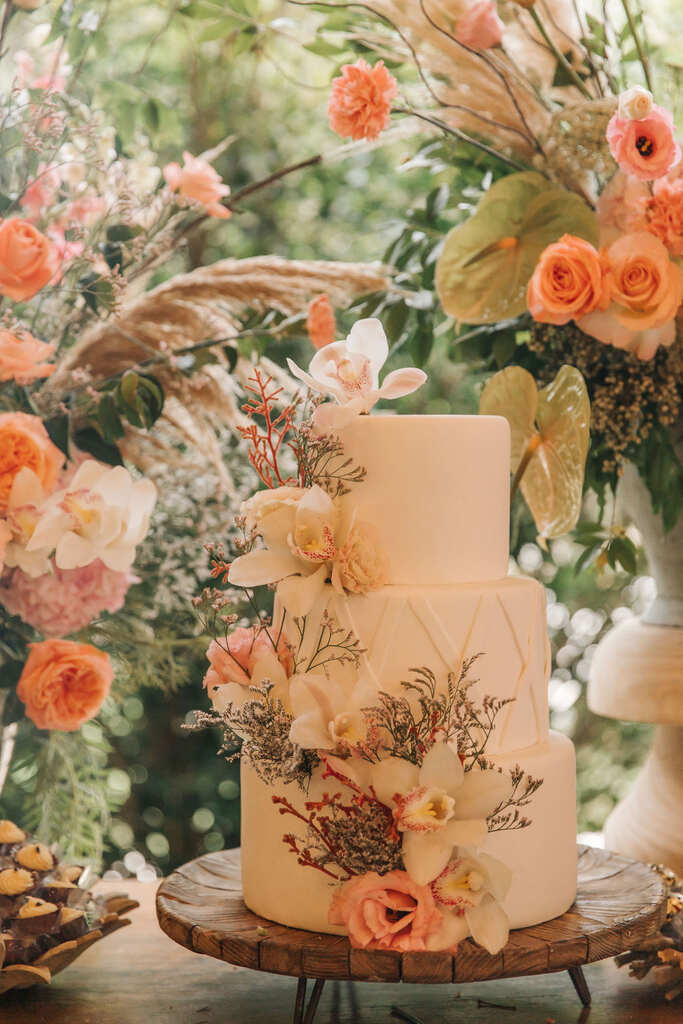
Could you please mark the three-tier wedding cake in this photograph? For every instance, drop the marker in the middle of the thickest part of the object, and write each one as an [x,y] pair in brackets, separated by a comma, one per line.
[400,783]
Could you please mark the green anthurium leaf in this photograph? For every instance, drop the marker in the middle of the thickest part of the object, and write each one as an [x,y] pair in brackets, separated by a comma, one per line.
[486,263]
[550,435]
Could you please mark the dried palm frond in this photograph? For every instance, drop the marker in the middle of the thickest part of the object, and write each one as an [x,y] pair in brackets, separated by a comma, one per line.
[191,309]
[500,96]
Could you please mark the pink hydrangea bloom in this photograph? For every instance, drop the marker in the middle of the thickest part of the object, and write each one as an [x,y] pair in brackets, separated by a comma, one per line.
[386,912]
[199,181]
[65,250]
[480,28]
[320,322]
[86,210]
[65,600]
[360,102]
[647,147]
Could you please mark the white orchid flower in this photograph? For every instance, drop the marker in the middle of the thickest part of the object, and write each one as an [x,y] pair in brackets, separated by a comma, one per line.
[23,513]
[298,529]
[436,806]
[348,371]
[328,715]
[104,513]
[469,892]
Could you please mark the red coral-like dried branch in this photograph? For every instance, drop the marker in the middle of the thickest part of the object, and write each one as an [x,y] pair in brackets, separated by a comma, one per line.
[265,444]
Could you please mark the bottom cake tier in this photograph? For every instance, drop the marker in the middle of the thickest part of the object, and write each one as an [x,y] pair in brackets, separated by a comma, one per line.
[542,856]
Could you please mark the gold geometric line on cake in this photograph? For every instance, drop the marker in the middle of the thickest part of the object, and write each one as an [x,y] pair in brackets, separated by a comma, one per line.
[523,673]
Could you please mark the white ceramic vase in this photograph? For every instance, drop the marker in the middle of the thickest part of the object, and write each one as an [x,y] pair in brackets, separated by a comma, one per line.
[637,676]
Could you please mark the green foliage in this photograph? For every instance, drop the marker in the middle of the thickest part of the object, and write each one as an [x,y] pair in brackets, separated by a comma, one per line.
[61,780]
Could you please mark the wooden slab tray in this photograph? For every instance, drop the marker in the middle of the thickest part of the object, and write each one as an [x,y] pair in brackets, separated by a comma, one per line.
[619,902]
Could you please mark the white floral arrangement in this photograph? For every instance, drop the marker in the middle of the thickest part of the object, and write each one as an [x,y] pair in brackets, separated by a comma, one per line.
[400,836]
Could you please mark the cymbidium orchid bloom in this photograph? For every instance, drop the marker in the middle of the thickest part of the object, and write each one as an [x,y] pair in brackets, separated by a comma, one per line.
[437,806]
[328,715]
[103,513]
[298,528]
[348,371]
[469,892]
[23,514]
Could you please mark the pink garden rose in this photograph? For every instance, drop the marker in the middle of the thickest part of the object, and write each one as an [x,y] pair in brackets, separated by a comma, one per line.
[199,181]
[480,28]
[41,192]
[360,102]
[247,647]
[65,600]
[320,322]
[21,358]
[647,147]
[386,912]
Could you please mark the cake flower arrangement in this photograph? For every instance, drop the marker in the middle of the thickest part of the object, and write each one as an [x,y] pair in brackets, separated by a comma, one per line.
[412,794]
[91,365]
[568,236]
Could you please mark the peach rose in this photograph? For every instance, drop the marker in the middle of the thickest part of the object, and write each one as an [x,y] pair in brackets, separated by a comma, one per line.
[247,646]
[24,443]
[386,911]
[360,565]
[645,147]
[197,180]
[63,684]
[21,358]
[644,282]
[622,207]
[27,259]
[635,103]
[320,322]
[480,28]
[568,282]
[360,102]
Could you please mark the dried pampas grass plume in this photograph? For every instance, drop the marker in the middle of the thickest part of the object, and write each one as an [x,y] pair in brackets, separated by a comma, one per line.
[196,307]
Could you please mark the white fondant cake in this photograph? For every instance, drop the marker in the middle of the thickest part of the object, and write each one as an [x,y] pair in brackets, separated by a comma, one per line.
[436,494]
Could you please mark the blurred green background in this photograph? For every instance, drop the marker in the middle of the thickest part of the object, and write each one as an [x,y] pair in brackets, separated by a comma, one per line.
[189,76]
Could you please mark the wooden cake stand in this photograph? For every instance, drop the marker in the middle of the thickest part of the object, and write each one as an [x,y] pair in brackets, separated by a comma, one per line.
[619,902]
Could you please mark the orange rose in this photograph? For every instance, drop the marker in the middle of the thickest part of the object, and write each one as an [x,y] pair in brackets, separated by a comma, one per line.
[644,282]
[568,282]
[27,259]
[63,684]
[24,444]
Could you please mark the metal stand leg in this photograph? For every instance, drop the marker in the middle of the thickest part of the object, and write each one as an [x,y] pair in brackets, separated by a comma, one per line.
[303,1014]
[580,984]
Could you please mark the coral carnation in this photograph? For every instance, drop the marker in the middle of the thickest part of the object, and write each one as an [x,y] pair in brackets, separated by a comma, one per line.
[320,323]
[386,912]
[21,358]
[647,147]
[63,684]
[664,213]
[65,600]
[360,102]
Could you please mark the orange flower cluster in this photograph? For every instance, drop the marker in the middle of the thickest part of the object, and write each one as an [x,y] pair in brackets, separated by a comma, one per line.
[360,102]
[627,295]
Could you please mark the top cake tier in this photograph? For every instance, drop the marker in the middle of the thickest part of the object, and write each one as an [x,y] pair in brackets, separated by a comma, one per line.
[437,490]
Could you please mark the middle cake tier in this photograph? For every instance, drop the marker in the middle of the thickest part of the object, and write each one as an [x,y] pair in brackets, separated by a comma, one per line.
[439,627]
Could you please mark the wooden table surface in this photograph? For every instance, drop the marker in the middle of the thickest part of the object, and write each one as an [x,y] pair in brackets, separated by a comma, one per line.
[139,976]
